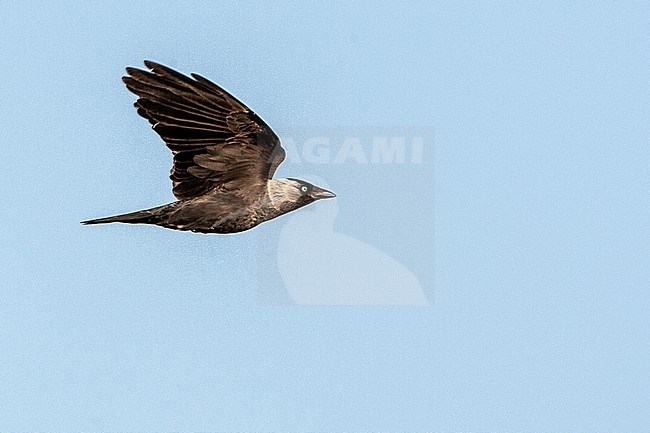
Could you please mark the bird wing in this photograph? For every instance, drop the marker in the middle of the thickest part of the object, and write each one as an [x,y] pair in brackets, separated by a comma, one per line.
[218,143]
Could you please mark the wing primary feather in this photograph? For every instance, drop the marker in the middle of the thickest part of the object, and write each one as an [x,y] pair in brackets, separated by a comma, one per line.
[165,96]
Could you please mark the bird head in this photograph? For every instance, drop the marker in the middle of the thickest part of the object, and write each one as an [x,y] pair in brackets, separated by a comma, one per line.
[290,194]
[303,193]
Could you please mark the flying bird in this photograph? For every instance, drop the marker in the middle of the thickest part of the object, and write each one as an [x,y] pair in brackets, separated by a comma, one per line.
[224,157]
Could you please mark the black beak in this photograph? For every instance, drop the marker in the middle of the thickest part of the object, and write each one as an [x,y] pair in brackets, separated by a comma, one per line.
[319,193]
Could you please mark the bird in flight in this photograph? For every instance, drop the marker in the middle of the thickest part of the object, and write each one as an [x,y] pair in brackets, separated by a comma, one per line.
[224,157]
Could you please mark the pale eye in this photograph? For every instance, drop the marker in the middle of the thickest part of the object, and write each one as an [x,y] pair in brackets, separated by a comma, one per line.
[303,189]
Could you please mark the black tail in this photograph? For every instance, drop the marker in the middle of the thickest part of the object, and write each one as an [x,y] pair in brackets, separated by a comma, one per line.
[139,217]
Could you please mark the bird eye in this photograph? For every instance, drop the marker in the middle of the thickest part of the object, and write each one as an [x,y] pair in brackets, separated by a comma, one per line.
[303,189]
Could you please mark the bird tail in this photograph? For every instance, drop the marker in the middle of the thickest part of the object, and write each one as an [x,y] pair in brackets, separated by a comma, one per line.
[139,217]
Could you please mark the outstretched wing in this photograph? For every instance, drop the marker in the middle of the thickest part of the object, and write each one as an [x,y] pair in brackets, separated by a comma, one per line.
[217,142]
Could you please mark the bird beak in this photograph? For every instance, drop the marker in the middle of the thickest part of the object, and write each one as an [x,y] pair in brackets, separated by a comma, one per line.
[319,193]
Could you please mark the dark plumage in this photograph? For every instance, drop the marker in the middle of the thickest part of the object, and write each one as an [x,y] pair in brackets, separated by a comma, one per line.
[224,157]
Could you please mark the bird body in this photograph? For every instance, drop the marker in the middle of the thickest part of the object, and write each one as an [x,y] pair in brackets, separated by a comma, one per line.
[221,213]
[224,157]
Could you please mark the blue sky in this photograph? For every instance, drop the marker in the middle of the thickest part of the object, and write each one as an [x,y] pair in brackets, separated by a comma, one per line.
[537,187]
